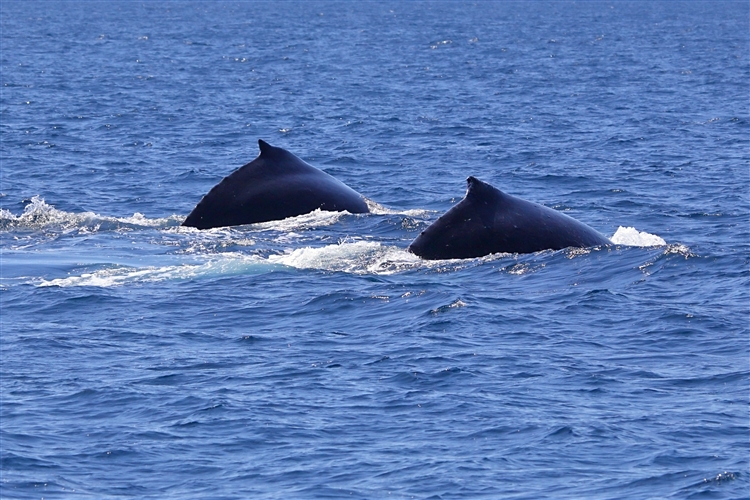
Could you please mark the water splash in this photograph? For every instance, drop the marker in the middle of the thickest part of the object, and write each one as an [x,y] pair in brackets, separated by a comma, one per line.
[40,215]
[632,237]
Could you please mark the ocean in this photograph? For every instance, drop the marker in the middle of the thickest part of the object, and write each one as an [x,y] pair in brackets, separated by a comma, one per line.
[314,357]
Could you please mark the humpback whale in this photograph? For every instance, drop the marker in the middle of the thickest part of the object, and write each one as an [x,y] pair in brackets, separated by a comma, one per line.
[274,186]
[489,221]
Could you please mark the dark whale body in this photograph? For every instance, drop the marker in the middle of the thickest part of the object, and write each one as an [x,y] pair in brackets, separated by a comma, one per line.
[489,221]
[274,186]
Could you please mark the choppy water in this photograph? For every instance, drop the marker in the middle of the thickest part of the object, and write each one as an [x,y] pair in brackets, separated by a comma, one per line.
[315,358]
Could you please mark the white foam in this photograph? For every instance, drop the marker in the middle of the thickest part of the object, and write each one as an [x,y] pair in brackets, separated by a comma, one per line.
[453,305]
[632,237]
[138,219]
[680,250]
[357,257]
[378,209]
[316,218]
[227,265]
[38,214]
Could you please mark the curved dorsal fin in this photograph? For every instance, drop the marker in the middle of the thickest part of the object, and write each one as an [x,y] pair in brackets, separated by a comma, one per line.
[475,185]
[265,148]
[477,189]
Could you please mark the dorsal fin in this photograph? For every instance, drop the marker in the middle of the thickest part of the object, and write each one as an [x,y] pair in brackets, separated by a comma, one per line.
[474,185]
[265,148]
[477,189]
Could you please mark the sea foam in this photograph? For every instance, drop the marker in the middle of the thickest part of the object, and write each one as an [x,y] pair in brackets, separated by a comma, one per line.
[632,237]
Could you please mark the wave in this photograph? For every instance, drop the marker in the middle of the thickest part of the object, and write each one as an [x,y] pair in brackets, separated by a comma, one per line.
[40,215]
[289,243]
[115,275]
[356,257]
[359,257]
[378,209]
[316,218]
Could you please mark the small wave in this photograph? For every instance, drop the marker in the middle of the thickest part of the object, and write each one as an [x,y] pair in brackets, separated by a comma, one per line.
[522,268]
[356,257]
[378,209]
[679,250]
[314,219]
[234,264]
[721,477]
[290,231]
[40,215]
[359,257]
[447,307]
[632,237]
[140,220]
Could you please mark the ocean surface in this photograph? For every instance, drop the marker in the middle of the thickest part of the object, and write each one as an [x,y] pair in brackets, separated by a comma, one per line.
[314,357]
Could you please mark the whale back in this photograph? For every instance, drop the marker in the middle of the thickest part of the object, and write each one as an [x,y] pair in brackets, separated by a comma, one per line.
[275,185]
[489,221]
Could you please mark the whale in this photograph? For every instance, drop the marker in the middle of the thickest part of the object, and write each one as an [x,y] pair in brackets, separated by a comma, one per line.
[275,185]
[488,221]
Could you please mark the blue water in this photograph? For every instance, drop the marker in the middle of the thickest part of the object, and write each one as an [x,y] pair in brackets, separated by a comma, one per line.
[314,357]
